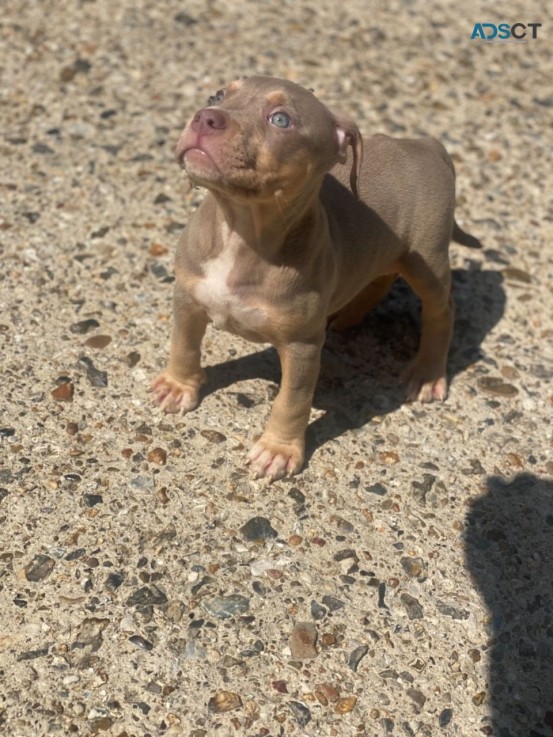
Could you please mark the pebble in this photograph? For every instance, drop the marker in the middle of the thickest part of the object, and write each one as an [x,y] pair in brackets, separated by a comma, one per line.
[91,500]
[142,483]
[42,148]
[479,698]
[39,568]
[496,386]
[158,249]
[224,701]
[412,606]
[158,456]
[185,19]
[328,639]
[175,611]
[71,679]
[132,358]
[98,341]
[357,656]
[378,489]
[388,457]
[318,612]
[33,654]
[381,594]
[257,529]
[84,326]
[332,604]
[445,717]
[90,631]
[342,524]
[414,568]
[303,641]
[193,651]
[224,607]
[519,275]
[147,596]
[301,713]
[261,566]
[297,495]
[97,378]
[476,468]
[345,704]
[326,692]
[114,580]
[425,484]
[97,712]
[64,392]
[259,588]
[417,696]
[141,642]
[452,611]
[213,436]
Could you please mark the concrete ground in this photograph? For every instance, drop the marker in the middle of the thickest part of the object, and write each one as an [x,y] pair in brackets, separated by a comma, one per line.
[402,584]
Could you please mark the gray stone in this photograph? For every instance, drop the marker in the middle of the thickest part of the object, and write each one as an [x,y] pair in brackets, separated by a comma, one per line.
[224,607]
[301,713]
[258,528]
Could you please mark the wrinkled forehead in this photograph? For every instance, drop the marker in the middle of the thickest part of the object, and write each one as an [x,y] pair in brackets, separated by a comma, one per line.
[273,92]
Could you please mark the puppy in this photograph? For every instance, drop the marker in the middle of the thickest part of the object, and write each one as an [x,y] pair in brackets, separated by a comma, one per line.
[298,231]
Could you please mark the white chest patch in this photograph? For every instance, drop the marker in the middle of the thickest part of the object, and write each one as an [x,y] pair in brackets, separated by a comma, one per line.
[227,308]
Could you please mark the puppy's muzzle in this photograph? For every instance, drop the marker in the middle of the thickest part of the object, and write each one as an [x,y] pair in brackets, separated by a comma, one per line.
[207,122]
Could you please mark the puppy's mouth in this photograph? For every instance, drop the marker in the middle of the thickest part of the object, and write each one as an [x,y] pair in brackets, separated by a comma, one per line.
[199,164]
[238,179]
[195,153]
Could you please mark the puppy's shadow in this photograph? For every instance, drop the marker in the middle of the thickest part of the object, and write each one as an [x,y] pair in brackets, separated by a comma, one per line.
[361,369]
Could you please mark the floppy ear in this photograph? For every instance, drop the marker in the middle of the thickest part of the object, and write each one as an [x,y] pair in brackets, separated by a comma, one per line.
[347,134]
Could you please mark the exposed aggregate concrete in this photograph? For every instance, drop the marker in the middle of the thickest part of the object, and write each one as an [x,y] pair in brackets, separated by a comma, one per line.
[402,584]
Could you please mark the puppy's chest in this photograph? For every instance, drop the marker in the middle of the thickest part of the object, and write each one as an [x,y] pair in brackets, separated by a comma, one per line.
[227,295]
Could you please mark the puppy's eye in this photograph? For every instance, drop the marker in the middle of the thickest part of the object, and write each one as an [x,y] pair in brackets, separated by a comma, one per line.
[281,120]
[216,98]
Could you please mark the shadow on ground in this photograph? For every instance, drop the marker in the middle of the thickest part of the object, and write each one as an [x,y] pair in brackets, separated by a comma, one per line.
[509,551]
[361,369]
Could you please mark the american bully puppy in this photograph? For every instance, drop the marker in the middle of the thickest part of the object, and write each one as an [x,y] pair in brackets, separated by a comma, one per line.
[300,230]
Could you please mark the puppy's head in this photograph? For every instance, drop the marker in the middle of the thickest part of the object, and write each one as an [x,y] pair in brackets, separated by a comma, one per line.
[263,137]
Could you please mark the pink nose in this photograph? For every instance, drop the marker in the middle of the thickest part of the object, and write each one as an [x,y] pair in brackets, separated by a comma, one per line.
[208,120]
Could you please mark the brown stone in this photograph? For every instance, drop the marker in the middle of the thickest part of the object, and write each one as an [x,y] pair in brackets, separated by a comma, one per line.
[158,455]
[98,341]
[224,701]
[496,386]
[213,436]
[64,392]
[345,705]
[302,642]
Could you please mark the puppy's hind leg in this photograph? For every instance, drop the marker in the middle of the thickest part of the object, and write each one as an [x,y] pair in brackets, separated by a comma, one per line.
[426,377]
[353,313]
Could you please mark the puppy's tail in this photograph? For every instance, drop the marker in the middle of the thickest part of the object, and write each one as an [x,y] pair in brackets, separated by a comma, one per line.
[465,239]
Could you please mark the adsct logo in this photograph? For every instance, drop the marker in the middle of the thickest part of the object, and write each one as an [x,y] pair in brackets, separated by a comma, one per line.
[504,32]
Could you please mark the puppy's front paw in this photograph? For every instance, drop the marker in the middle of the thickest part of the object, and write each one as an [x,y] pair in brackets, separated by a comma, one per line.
[174,396]
[424,386]
[273,460]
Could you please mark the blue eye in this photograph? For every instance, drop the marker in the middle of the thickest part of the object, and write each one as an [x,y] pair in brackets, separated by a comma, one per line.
[281,120]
